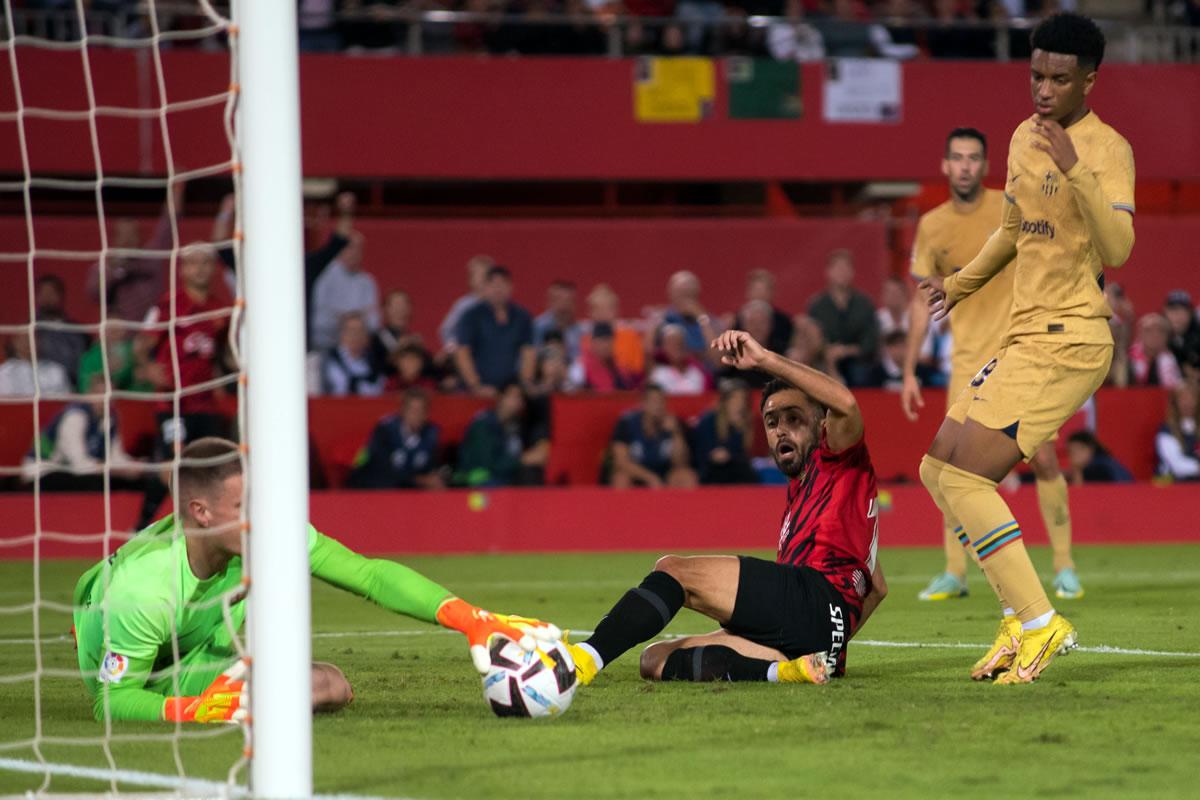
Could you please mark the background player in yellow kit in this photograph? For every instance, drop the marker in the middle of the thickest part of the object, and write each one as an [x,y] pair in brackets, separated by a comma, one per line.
[1067,213]
[948,237]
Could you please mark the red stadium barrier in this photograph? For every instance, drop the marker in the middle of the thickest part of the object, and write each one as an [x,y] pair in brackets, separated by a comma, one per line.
[426,258]
[568,118]
[582,425]
[597,519]
[338,426]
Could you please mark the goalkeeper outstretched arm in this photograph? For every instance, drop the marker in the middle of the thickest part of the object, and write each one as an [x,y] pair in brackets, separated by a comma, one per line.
[405,591]
[156,622]
[211,684]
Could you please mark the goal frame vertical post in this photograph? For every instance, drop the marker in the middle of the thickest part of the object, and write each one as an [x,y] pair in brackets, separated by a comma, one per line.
[277,414]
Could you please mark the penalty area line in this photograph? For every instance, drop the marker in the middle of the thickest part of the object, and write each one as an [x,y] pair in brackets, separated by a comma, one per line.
[192,786]
[1101,649]
[188,787]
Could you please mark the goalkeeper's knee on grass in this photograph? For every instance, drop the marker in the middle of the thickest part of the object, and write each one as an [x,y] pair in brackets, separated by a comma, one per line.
[330,689]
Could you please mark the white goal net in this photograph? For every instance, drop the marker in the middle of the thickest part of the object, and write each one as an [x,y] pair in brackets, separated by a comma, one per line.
[101,126]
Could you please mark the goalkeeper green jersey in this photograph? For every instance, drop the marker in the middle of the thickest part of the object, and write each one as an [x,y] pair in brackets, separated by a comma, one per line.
[147,628]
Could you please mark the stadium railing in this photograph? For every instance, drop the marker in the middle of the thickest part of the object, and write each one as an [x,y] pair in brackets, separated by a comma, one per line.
[431,32]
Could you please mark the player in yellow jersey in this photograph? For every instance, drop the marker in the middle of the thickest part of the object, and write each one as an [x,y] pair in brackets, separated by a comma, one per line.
[948,237]
[1067,213]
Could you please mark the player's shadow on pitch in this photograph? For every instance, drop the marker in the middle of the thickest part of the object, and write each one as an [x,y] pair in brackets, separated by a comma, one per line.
[1101,670]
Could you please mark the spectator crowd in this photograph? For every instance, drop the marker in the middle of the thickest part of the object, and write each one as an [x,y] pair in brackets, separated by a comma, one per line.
[800,30]
[805,30]
[362,343]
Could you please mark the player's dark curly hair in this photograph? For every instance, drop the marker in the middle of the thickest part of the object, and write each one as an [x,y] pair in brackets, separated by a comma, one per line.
[776,385]
[1072,35]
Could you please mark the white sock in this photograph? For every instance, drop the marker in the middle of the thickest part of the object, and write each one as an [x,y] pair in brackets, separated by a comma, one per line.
[1008,612]
[1038,622]
[773,672]
[591,651]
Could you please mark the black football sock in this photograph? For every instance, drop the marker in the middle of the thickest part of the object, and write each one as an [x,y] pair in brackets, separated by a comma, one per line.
[638,616]
[713,662]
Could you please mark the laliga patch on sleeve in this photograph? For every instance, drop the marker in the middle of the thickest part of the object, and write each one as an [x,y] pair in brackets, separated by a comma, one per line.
[113,667]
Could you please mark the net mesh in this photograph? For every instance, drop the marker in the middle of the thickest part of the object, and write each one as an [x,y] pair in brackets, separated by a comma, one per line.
[155,100]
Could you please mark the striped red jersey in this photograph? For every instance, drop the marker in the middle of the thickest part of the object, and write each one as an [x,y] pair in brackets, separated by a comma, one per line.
[832,520]
[197,347]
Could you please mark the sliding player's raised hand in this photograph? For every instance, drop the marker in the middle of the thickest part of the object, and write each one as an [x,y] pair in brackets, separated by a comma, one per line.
[739,349]
[227,699]
[479,626]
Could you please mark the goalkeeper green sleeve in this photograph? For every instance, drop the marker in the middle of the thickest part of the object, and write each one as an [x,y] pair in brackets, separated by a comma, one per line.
[386,583]
[129,702]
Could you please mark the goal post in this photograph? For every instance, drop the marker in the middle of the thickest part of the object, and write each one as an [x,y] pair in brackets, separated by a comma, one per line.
[276,399]
[253,99]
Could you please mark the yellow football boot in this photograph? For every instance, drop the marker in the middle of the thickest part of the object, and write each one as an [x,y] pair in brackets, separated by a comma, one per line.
[805,669]
[585,665]
[1000,657]
[1038,649]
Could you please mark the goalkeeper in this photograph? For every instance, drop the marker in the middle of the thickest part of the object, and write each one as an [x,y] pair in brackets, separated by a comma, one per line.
[159,589]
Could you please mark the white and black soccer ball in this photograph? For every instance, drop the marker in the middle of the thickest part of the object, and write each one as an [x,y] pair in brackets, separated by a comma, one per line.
[534,684]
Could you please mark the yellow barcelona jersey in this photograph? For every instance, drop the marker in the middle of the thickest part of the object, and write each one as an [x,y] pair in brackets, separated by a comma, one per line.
[947,240]
[1058,274]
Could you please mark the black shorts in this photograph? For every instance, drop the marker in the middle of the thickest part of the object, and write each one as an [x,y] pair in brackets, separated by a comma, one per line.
[792,609]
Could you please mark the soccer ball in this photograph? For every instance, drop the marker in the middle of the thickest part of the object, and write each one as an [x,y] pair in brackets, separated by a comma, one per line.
[537,684]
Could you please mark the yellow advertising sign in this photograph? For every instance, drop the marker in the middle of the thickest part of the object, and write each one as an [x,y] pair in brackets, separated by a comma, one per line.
[673,89]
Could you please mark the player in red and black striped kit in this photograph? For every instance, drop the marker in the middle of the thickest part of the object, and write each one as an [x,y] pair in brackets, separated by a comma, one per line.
[788,620]
[197,351]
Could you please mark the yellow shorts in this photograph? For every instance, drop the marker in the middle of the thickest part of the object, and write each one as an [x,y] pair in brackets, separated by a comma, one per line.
[1032,387]
[959,382]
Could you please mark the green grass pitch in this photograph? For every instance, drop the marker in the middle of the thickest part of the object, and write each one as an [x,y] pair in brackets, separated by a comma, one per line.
[905,722]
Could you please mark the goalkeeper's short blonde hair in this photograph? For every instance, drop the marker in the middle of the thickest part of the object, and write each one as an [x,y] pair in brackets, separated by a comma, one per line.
[207,463]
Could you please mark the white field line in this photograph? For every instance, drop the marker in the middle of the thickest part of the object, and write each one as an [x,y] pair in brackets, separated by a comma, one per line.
[923,578]
[204,788]
[193,787]
[189,787]
[1163,576]
[1101,649]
